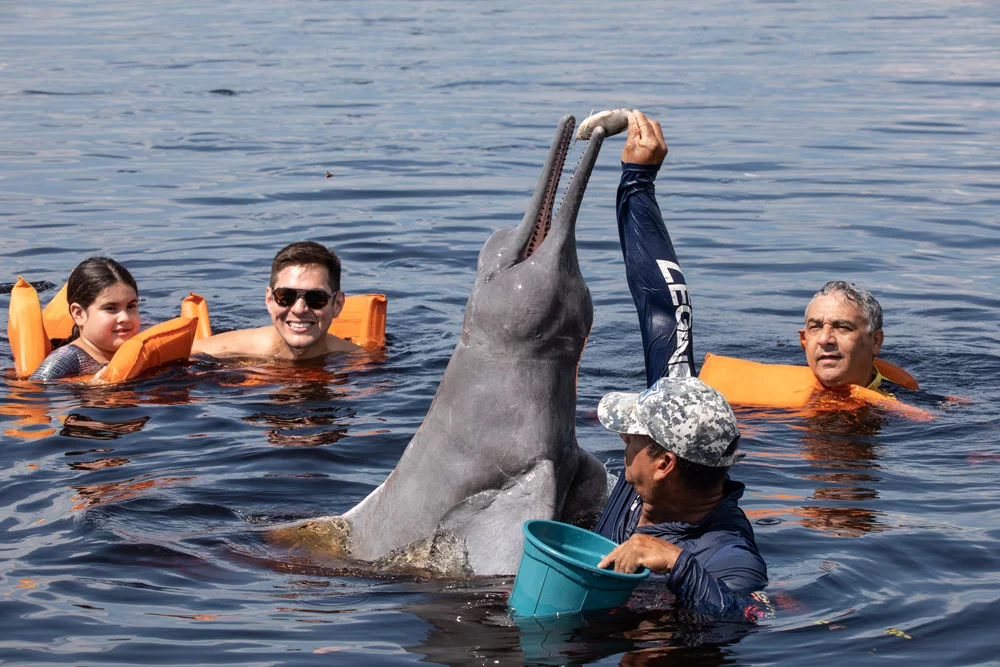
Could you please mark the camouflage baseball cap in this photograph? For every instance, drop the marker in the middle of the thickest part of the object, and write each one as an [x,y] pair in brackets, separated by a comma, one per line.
[683,415]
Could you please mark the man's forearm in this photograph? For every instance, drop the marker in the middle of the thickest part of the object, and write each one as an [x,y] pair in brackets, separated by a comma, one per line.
[655,280]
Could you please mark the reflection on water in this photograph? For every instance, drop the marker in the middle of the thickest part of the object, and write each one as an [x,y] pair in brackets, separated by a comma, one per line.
[92,495]
[27,404]
[838,451]
[841,447]
[306,440]
[173,386]
[80,426]
[474,615]
[808,142]
[316,398]
[98,464]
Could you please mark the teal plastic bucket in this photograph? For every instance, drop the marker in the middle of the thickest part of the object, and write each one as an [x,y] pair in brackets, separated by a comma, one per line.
[559,574]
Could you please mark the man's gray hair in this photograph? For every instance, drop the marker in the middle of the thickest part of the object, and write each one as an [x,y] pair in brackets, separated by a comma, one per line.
[864,300]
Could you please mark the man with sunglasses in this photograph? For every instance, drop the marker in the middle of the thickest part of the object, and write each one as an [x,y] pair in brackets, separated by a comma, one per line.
[302,298]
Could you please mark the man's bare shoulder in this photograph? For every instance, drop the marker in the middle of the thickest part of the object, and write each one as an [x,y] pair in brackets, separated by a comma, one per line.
[335,344]
[257,342]
[329,344]
[264,342]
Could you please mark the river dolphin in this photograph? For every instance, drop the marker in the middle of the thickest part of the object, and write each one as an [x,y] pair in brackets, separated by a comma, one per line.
[498,445]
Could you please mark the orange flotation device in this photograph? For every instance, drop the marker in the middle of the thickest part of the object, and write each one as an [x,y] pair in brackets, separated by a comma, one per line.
[58,323]
[361,321]
[26,329]
[196,308]
[751,383]
[31,330]
[156,346]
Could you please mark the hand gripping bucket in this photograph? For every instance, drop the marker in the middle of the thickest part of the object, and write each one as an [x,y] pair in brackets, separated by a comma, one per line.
[559,574]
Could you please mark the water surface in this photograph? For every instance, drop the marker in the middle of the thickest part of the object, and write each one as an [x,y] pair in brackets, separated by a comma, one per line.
[192,140]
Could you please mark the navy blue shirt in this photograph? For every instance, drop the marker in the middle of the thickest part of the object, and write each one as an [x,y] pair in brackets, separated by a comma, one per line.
[719,567]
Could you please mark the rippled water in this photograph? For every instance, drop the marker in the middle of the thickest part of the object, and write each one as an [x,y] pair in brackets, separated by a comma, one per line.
[807,141]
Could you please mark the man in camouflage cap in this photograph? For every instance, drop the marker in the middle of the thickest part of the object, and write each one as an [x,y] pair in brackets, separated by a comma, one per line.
[678,511]
[674,508]
[683,415]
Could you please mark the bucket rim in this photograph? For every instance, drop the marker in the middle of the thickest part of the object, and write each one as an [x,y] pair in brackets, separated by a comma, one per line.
[560,556]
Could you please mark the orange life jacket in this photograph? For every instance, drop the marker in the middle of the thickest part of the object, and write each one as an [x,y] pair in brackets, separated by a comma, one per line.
[31,329]
[781,386]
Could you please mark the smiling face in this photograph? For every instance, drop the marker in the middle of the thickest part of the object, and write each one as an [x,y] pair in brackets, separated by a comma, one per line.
[109,321]
[298,325]
[839,349]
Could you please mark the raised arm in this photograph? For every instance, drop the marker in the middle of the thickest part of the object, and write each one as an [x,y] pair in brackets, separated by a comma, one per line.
[654,276]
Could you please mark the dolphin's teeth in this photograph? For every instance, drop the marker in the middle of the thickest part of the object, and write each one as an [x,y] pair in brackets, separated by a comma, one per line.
[575,169]
[543,223]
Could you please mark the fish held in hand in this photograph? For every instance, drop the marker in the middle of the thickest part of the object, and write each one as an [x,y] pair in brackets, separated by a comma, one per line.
[614,121]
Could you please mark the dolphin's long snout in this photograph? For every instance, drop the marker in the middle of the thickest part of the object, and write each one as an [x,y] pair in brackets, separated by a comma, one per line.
[565,220]
[537,219]
[539,223]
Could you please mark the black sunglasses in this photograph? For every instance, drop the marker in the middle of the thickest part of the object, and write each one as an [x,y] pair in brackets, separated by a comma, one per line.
[287,296]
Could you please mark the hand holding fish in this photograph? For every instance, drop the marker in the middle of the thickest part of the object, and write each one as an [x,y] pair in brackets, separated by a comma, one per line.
[645,143]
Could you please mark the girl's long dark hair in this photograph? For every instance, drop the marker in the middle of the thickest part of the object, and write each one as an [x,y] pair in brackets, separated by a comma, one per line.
[92,276]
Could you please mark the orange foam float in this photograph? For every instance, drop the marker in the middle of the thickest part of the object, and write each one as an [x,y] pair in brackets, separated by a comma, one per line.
[158,345]
[26,329]
[31,330]
[195,307]
[361,321]
[58,322]
[755,384]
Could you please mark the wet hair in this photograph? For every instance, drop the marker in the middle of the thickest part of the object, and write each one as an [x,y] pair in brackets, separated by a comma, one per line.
[695,476]
[307,252]
[91,277]
[862,298]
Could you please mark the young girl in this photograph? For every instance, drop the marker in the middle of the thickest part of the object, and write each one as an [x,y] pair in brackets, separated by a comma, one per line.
[104,303]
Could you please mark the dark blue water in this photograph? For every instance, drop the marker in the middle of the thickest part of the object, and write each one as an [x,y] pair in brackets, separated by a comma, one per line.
[191,140]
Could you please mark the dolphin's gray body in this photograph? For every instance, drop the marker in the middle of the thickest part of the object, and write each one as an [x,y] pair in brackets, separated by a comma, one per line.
[498,445]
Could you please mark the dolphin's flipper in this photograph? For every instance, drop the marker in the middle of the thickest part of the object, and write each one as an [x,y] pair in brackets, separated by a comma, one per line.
[490,521]
[588,493]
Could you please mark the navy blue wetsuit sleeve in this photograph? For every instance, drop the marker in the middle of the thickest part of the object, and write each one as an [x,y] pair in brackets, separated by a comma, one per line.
[614,518]
[654,277]
[722,587]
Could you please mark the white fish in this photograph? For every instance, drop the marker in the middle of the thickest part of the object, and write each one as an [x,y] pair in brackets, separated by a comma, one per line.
[612,120]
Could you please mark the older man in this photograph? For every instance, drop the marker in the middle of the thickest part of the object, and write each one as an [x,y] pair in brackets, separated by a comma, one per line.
[843,329]
[303,297]
[674,509]
[843,334]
